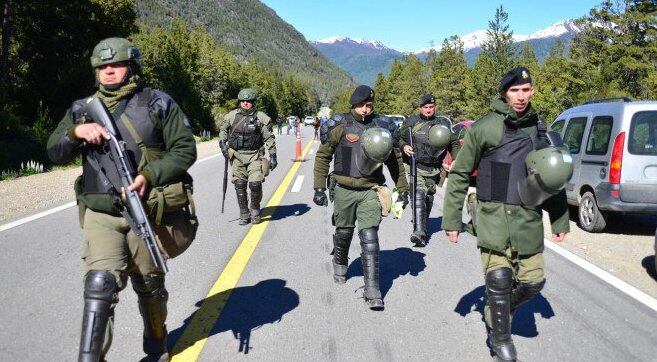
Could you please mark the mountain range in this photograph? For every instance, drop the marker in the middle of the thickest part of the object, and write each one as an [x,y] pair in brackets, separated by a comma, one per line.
[364,59]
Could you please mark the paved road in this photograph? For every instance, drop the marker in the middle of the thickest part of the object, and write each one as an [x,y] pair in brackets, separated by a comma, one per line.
[285,305]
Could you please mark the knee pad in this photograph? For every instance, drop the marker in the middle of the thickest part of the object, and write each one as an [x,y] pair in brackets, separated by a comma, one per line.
[369,239]
[255,186]
[150,286]
[240,184]
[101,285]
[499,281]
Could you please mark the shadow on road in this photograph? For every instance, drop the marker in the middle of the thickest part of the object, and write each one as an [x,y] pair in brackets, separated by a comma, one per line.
[524,319]
[648,264]
[283,211]
[240,310]
[392,265]
[433,225]
[624,224]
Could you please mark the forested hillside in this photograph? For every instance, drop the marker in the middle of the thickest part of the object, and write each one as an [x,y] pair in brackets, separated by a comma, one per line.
[615,55]
[45,67]
[253,33]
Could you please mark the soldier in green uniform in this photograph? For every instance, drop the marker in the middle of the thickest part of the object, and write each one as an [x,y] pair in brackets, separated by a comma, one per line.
[358,146]
[161,147]
[244,135]
[509,232]
[432,139]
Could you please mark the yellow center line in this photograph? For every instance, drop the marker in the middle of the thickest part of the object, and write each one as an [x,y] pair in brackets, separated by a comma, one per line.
[190,344]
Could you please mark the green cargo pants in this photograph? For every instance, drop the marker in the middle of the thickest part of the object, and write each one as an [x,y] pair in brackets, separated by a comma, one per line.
[246,165]
[351,206]
[426,180]
[526,268]
[110,244]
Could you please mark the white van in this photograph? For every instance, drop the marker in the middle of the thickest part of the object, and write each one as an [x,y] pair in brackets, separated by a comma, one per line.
[614,147]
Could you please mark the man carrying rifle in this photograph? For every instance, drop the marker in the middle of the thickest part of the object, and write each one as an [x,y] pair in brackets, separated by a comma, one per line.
[159,146]
[244,135]
[431,140]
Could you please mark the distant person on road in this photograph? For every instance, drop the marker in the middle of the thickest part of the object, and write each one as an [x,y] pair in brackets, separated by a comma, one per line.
[358,148]
[279,124]
[297,126]
[160,146]
[316,127]
[244,136]
[509,227]
[432,139]
[290,124]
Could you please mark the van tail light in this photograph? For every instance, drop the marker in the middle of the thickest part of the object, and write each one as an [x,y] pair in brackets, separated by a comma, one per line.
[616,163]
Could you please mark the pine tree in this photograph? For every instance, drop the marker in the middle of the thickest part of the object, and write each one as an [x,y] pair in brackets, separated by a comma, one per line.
[496,58]
[449,72]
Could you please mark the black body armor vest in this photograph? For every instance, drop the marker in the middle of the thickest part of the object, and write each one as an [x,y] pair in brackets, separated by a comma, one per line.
[349,149]
[245,133]
[502,168]
[425,155]
[136,112]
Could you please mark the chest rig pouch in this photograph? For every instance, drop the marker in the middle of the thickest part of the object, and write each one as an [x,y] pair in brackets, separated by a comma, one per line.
[245,133]
[143,145]
[425,154]
[350,158]
[502,168]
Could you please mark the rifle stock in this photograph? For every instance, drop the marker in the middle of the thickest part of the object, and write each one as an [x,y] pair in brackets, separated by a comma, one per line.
[134,210]
[413,177]
[225,184]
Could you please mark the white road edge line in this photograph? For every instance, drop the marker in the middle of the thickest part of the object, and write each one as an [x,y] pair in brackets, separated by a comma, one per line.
[36,216]
[25,220]
[297,184]
[616,282]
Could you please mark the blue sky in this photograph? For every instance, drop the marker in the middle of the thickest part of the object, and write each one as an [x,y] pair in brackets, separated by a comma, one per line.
[411,25]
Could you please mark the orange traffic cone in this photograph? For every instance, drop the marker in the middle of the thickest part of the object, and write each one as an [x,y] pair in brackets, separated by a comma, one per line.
[298,157]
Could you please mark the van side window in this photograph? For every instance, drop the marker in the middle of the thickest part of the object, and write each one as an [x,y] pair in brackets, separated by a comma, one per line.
[574,134]
[643,133]
[557,125]
[598,141]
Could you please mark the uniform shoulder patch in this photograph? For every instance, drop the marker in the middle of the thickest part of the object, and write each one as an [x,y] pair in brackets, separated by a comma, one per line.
[351,137]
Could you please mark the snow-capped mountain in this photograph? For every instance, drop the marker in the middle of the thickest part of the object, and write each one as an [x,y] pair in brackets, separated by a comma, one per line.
[361,58]
[341,39]
[364,59]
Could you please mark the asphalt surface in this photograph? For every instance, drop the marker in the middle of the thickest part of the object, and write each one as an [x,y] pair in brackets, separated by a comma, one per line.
[286,306]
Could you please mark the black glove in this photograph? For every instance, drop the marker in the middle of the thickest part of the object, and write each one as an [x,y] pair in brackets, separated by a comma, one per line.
[320,197]
[272,161]
[224,147]
[403,197]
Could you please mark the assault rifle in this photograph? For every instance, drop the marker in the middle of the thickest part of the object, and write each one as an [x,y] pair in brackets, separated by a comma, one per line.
[413,178]
[132,207]
[223,196]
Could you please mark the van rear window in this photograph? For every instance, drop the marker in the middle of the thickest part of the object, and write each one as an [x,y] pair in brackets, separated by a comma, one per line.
[643,133]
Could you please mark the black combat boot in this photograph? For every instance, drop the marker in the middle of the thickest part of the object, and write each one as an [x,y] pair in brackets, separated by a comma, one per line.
[419,235]
[524,292]
[256,197]
[242,201]
[153,296]
[428,202]
[341,243]
[498,292]
[99,294]
[369,243]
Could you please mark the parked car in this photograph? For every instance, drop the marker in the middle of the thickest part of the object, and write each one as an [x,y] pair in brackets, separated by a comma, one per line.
[397,118]
[613,144]
[309,120]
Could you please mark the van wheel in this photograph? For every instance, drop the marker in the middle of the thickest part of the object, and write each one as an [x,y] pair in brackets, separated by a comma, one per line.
[591,218]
